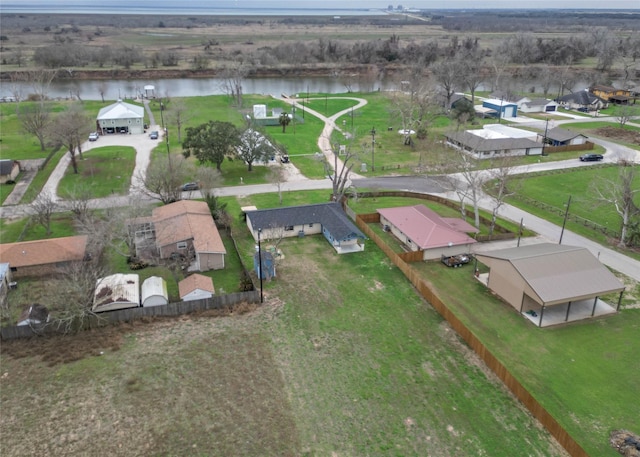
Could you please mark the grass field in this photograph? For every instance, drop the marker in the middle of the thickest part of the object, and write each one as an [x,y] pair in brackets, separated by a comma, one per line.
[359,366]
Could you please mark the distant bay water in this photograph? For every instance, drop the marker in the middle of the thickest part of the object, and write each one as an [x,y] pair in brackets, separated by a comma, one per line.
[170,7]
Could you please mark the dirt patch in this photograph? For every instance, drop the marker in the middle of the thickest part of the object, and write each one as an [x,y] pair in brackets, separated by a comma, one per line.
[625,442]
[625,136]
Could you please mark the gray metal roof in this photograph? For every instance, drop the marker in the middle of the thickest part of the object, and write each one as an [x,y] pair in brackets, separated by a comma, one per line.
[558,273]
[560,134]
[330,215]
[479,144]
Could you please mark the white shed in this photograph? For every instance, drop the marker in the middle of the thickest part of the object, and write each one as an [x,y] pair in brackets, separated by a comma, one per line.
[196,287]
[118,291]
[154,292]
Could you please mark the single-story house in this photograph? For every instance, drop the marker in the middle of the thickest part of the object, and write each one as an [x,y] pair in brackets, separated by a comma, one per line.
[484,144]
[43,257]
[184,229]
[458,101]
[196,287]
[9,170]
[421,229]
[34,315]
[550,283]
[562,137]
[120,117]
[500,108]
[582,99]
[326,218]
[154,292]
[118,291]
[539,105]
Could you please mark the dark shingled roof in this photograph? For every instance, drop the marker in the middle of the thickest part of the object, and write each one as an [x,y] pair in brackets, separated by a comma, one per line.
[560,134]
[330,215]
[582,97]
[6,165]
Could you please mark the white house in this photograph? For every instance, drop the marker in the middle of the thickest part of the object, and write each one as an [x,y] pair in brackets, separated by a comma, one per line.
[196,287]
[121,117]
[154,292]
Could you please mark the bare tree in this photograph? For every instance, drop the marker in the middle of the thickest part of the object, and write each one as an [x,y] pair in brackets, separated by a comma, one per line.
[501,178]
[466,181]
[42,209]
[164,176]
[411,107]
[624,113]
[620,193]
[78,202]
[447,74]
[339,175]
[233,77]
[35,119]
[278,176]
[102,89]
[70,128]
[178,114]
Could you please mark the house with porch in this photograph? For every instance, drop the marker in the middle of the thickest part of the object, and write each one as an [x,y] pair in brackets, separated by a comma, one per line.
[495,141]
[582,99]
[551,284]
[562,137]
[612,94]
[421,229]
[328,219]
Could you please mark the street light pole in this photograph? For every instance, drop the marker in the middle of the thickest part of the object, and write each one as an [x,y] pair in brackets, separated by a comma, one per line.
[260,264]
[520,231]
[373,149]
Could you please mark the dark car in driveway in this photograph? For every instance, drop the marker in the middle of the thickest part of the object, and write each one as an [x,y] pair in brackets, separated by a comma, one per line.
[153,135]
[190,186]
[591,157]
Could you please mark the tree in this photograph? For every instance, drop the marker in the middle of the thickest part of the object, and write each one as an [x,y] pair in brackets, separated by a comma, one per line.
[501,178]
[35,119]
[620,193]
[466,181]
[624,113]
[69,129]
[42,208]
[339,175]
[211,142]
[254,147]
[447,75]
[411,106]
[165,176]
[178,114]
[232,77]
[278,176]
[284,120]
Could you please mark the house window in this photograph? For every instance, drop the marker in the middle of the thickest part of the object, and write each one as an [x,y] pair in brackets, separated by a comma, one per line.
[288,228]
[310,225]
[182,245]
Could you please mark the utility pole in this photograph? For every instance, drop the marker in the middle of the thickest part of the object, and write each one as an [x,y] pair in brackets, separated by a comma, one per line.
[373,149]
[564,222]
[260,264]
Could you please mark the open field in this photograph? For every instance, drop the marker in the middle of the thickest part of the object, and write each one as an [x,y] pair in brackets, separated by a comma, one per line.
[359,366]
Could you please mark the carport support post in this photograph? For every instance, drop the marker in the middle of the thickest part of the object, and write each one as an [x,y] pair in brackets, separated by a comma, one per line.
[619,300]
[541,315]
[566,318]
[595,303]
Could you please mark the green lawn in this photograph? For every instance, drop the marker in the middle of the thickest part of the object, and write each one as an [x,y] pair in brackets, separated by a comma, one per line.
[585,374]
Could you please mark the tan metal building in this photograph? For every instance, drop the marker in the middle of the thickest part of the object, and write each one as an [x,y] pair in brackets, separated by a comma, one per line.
[551,284]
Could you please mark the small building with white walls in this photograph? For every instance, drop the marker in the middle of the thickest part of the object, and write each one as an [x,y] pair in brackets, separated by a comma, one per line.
[196,287]
[120,117]
[154,292]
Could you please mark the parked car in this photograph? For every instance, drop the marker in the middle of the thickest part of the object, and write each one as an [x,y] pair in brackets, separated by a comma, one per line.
[124,130]
[591,157]
[582,109]
[455,261]
[190,186]
[153,135]
[93,136]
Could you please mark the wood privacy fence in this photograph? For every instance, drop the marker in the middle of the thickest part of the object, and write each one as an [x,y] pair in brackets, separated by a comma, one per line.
[588,146]
[534,407]
[130,314]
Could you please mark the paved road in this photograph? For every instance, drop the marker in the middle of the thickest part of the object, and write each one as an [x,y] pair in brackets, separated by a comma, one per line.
[547,231]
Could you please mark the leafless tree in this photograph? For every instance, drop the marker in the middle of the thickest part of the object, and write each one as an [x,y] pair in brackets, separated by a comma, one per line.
[102,89]
[70,128]
[278,176]
[42,209]
[411,107]
[233,77]
[164,176]
[74,294]
[178,114]
[620,193]
[624,113]
[466,181]
[501,178]
[78,202]
[339,173]
[447,74]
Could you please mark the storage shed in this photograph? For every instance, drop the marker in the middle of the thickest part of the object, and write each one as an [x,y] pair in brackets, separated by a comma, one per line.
[196,287]
[501,108]
[154,291]
[118,291]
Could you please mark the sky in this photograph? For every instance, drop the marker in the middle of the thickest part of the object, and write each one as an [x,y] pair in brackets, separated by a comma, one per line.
[418,4]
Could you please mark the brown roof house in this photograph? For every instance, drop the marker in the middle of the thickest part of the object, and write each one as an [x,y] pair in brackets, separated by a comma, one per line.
[550,284]
[43,257]
[422,229]
[196,287]
[184,228]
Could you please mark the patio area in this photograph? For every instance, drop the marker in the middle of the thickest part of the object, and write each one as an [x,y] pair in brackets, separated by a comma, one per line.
[568,312]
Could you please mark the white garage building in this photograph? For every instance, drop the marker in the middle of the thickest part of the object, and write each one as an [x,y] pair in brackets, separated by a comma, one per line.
[120,117]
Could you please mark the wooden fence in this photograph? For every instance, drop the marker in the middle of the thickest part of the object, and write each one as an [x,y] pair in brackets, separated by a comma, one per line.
[130,314]
[588,146]
[510,381]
